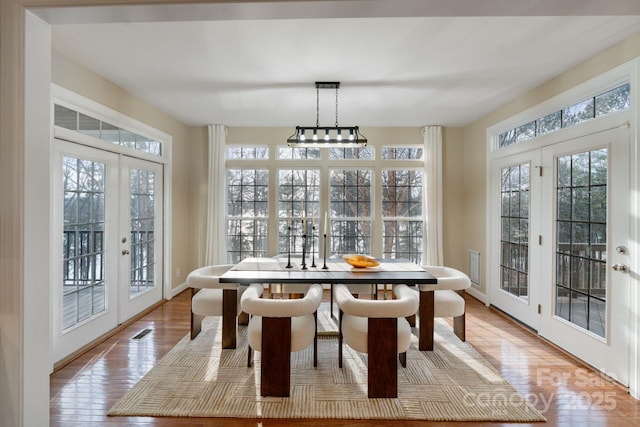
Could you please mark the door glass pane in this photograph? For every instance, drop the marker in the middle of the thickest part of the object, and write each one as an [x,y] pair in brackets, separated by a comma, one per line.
[581,223]
[142,195]
[83,290]
[514,255]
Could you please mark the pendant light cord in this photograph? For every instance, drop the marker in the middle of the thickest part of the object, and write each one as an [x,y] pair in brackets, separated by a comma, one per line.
[336,107]
[317,106]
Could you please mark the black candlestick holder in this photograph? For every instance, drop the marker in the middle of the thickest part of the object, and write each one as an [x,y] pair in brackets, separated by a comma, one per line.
[313,250]
[324,267]
[289,249]
[304,252]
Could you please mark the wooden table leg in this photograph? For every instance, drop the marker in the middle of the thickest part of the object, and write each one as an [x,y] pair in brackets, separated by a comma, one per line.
[229,313]
[426,321]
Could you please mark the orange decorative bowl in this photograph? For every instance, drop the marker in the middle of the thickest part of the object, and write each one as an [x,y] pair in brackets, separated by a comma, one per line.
[361,261]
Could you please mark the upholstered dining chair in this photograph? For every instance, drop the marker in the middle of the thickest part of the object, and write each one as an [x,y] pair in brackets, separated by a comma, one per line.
[209,297]
[378,328]
[447,298]
[278,327]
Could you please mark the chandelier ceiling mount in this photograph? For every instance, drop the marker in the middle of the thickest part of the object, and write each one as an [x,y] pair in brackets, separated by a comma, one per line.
[327,136]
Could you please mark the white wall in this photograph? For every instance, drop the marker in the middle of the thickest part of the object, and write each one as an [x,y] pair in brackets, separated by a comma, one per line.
[12,396]
[37,205]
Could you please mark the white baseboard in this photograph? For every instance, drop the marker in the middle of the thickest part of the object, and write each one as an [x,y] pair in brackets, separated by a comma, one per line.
[175,291]
[477,294]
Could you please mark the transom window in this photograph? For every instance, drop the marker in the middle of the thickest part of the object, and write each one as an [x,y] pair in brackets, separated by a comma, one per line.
[85,124]
[247,152]
[364,153]
[402,153]
[291,153]
[614,100]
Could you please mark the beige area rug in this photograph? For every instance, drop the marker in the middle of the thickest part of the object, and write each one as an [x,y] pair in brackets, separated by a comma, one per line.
[199,379]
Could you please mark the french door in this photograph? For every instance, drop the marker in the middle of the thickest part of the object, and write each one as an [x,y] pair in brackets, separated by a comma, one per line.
[560,220]
[141,238]
[586,293]
[108,242]
[516,189]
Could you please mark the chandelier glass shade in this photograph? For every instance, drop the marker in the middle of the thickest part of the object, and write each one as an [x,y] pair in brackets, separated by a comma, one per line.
[326,136]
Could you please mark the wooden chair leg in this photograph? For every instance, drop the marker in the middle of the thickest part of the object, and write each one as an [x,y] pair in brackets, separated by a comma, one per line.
[459,326]
[340,339]
[331,301]
[249,356]
[196,324]
[403,359]
[275,371]
[412,320]
[196,320]
[382,357]
[243,318]
[315,341]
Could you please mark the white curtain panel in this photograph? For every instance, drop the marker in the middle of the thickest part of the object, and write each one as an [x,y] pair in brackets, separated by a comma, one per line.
[432,245]
[215,251]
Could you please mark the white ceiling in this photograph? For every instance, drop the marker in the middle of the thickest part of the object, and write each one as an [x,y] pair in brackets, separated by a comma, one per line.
[400,63]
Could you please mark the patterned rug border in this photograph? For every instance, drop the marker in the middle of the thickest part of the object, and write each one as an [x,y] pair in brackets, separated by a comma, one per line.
[199,379]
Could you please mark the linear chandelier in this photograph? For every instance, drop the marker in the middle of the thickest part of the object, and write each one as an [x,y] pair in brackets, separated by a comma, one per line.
[326,136]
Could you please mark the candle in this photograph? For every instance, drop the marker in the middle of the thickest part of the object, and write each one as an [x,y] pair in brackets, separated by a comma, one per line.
[326,222]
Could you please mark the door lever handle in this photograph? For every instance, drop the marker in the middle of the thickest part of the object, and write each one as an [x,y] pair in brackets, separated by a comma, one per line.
[620,267]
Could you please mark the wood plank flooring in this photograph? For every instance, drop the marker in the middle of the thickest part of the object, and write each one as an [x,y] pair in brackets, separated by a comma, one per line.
[567,392]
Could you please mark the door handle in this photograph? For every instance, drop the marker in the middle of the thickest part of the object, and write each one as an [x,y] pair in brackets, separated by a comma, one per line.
[125,252]
[620,267]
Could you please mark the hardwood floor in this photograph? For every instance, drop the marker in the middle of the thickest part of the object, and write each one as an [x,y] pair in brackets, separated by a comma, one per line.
[567,392]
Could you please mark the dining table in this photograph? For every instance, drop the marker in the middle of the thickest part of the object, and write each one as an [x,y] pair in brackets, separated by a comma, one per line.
[283,270]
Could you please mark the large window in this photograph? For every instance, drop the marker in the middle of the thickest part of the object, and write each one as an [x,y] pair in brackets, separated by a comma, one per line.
[247,213]
[402,201]
[298,209]
[350,211]
[339,184]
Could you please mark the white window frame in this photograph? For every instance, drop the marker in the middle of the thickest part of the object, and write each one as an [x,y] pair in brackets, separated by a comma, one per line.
[79,103]
[324,164]
[627,72]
